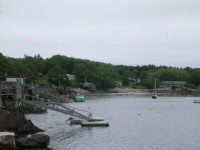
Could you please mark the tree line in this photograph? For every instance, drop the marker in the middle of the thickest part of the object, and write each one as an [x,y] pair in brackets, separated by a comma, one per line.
[102,75]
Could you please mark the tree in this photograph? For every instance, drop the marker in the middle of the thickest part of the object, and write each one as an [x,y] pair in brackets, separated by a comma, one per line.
[105,76]
[4,65]
[49,64]
[57,76]
[195,76]
[126,74]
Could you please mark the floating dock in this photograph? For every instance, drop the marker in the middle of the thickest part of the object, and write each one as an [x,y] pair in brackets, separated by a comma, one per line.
[95,121]
[196,101]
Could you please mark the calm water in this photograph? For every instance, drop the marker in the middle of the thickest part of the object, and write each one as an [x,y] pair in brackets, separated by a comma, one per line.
[137,122]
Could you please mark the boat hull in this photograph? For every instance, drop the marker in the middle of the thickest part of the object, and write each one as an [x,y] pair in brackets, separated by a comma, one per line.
[79,99]
[154,96]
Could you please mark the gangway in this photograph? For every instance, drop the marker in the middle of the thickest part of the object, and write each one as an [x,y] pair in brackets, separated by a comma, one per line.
[59,107]
[84,118]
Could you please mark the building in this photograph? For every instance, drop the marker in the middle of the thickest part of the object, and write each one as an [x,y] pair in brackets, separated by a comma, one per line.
[71,77]
[88,84]
[172,83]
[118,83]
[133,81]
[14,80]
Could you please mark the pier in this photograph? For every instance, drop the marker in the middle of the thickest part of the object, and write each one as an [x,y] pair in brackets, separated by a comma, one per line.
[40,97]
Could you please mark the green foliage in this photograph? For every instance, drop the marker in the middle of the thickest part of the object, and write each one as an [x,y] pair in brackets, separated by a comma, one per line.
[192,86]
[172,74]
[100,74]
[195,76]
[4,65]
[57,76]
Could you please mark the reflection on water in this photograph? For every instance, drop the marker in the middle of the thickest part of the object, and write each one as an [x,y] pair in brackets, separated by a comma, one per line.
[136,122]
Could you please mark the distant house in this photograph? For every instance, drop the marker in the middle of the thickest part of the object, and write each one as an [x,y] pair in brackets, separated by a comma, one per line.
[118,82]
[172,83]
[71,77]
[90,86]
[14,80]
[133,81]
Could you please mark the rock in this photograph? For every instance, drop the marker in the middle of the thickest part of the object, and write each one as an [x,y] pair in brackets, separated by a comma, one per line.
[15,122]
[29,109]
[35,142]
[7,141]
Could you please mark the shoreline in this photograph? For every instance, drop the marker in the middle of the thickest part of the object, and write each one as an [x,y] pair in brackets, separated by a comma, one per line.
[128,90]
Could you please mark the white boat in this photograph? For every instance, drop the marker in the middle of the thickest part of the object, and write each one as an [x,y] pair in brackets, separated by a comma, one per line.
[155,93]
[79,98]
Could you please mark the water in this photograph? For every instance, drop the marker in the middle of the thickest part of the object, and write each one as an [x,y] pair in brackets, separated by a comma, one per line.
[136,122]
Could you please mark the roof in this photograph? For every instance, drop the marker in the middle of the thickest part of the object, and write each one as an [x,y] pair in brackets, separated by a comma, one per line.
[180,82]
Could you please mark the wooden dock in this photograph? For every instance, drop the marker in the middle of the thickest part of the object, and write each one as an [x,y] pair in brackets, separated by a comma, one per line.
[39,96]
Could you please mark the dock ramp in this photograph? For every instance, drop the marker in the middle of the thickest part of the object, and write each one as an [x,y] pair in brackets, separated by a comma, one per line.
[83,117]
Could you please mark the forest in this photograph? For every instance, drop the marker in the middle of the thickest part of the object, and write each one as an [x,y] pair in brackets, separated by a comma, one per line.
[53,70]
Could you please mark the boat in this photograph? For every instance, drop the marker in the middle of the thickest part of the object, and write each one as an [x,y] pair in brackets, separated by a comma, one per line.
[79,98]
[155,93]
[119,94]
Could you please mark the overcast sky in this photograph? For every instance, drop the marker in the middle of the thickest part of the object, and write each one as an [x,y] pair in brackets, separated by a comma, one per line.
[120,32]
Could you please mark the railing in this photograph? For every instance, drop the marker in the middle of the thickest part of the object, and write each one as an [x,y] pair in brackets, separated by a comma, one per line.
[59,107]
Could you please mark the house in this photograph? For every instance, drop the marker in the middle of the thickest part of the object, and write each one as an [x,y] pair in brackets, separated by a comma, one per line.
[71,77]
[91,86]
[88,84]
[118,82]
[172,83]
[14,80]
[133,81]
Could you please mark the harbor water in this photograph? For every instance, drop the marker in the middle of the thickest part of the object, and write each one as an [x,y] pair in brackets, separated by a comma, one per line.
[136,122]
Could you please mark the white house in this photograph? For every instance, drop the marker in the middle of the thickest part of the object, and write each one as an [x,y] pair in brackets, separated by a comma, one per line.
[118,82]
[71,77]
[14,80]
[133,81]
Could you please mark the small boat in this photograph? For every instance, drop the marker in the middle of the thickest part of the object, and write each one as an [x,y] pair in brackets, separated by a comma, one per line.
[196,101]
[79,98]
[155,93]
[119,94]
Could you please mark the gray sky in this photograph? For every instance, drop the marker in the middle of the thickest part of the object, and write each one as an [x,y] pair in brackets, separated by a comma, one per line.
[120,32]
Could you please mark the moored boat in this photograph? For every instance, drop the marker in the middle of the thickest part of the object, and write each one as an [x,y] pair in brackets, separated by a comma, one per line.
[155,93]
[79,98]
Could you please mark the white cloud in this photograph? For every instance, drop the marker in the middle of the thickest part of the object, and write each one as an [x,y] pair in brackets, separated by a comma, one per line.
[125,32]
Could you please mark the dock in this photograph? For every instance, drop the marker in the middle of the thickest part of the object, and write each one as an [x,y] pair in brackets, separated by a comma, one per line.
[196,101]
[39,97]
[83,122]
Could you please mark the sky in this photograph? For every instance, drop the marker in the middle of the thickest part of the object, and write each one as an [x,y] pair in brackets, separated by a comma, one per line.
[119,32]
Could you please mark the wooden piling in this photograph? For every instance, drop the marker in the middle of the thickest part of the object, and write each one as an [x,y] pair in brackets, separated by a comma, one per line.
[17,94]
[0,97]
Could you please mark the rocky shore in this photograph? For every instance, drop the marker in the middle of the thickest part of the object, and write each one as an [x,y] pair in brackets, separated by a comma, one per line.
[18,133]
